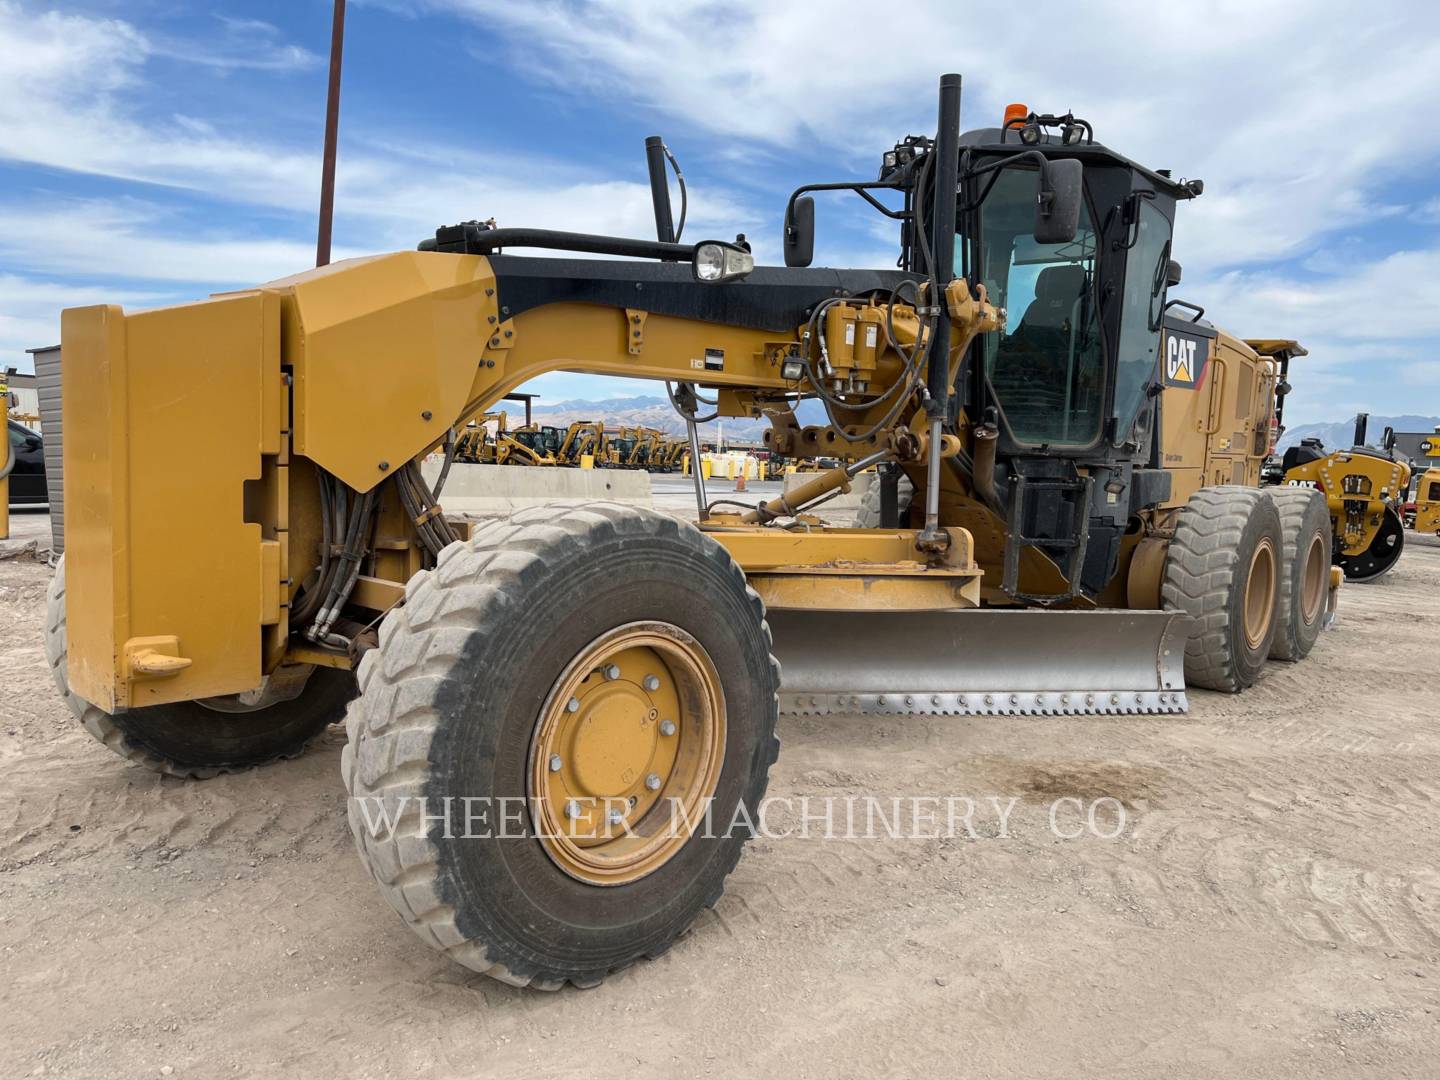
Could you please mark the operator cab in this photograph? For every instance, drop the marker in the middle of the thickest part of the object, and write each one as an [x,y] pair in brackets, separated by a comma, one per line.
[1073,371]
[1072,380]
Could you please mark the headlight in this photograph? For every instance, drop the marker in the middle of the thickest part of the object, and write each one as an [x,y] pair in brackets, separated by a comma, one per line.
[716,260]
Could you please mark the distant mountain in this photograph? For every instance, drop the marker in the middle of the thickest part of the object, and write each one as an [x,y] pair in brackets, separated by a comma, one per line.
[1341,433]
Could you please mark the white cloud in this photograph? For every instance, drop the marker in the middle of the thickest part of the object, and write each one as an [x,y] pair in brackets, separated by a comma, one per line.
[1393,298]
[30,311]
[1290,112]
[131,239]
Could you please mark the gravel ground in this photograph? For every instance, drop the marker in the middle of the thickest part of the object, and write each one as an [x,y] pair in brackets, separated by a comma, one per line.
[1271,907]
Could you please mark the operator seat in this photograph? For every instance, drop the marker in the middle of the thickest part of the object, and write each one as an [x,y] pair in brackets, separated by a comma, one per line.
[1045,327]
[1032,364]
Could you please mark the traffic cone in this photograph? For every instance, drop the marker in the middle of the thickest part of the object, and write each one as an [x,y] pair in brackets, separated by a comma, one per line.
[740,481]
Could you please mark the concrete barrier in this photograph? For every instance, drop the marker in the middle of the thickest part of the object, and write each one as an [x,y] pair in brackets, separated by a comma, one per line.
[490,491]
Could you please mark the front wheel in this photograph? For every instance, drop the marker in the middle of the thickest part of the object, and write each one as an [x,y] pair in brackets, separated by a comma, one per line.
[561,740]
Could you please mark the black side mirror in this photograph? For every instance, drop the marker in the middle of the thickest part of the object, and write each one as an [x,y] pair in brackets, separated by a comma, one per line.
[1388,439]
[1057,205]
[800,232]
[1172,274]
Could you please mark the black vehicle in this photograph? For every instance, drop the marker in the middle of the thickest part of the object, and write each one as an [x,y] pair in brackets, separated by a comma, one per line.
[27,478]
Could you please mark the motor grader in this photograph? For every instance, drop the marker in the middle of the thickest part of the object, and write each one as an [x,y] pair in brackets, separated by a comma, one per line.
[592,674]
[1427,490]
[1365,490]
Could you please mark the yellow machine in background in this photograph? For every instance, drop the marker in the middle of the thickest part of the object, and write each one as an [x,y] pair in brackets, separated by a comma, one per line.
[1427,490]
[1085,534]
[1427,502]
[1365,491]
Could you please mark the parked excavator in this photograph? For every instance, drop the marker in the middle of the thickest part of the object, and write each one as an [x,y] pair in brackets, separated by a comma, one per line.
[568,718]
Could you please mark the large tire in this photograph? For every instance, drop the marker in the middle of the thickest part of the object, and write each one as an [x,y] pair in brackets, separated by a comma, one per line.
[188,739]
[456,697]
[868,515]
[1383,553]
[1222,571]
[1304,571]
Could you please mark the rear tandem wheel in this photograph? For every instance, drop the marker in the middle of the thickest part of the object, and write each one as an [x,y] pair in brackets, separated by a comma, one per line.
[1223,570]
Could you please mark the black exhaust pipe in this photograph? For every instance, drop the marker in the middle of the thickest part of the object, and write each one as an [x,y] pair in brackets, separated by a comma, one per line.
[659,189]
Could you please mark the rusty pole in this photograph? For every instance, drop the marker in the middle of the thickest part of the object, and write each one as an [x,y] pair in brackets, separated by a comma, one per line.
[332,130]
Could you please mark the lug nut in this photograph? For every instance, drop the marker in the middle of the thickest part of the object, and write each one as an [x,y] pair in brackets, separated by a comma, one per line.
[615,817]
[651,683]
[652,782]
[572,809]
[612,671]
[573,705]
[555,763]
[667,727]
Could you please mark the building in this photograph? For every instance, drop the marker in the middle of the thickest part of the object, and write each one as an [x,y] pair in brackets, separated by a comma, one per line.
[24,402]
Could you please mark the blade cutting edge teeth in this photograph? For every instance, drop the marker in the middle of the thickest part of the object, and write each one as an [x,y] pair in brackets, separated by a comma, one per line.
[980,662]
[998,703]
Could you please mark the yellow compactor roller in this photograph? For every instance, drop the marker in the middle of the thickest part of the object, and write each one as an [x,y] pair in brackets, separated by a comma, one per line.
[1365,491]
[599,677]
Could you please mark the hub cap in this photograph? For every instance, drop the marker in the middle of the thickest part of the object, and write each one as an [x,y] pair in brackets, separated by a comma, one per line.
[631,736]
[1313,584]
[1260,594]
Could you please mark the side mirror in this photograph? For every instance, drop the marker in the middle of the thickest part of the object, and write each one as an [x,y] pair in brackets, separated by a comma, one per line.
[1172,274]
[1057,205]
[800,232]
[1388,439]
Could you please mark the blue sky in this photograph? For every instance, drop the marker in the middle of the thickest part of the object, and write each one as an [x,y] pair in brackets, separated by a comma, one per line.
[158,151]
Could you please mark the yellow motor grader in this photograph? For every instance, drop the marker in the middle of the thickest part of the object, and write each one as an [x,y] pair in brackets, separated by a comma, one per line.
[1365,491]
[561,724]
[1427,490]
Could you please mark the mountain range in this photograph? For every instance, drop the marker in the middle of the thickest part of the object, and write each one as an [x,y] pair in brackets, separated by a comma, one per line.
[1339,434]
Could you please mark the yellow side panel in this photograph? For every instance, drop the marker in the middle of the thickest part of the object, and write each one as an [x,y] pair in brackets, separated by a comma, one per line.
[169,412]
[377,344]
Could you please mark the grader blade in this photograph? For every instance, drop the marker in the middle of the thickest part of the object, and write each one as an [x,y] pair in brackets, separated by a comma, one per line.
[980,662]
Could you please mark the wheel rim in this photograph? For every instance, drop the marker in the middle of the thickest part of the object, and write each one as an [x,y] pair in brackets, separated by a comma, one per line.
[1260,594]
[631,737]
[1313,581]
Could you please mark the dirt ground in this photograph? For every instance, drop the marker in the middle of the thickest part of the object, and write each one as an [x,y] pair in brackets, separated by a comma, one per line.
[1271,908]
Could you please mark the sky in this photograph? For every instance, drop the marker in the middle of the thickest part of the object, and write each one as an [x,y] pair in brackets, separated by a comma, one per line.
[159,151]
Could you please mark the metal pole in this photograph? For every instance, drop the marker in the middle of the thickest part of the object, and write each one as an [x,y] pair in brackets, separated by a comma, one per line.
[942,247]
[332,130]
[697,469]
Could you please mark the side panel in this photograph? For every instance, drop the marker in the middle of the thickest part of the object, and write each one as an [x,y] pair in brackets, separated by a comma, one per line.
[1219,400]
[168,414]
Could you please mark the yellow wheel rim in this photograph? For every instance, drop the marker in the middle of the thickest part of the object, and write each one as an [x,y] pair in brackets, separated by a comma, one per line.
[1260,594]
[1313,584]
[631,738]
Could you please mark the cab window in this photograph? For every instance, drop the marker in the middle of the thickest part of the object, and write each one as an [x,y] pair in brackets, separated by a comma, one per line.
[1047,368]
